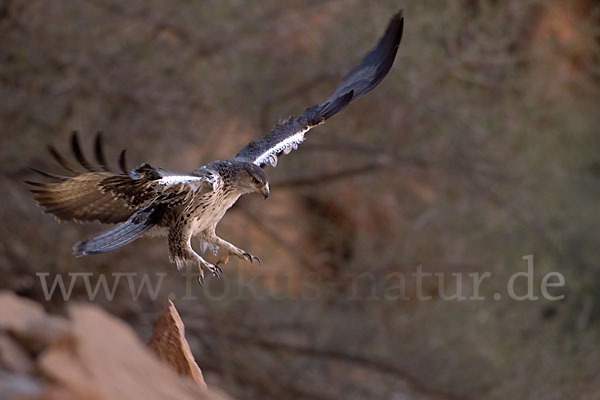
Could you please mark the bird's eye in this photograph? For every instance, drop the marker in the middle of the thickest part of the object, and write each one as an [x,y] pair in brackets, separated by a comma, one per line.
[255,180]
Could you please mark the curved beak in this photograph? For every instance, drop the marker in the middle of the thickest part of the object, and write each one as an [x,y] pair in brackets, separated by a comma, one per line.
[265,191]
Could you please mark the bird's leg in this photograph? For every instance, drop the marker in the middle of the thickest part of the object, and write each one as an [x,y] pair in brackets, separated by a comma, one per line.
[205,266]
[229,248]
[181,251]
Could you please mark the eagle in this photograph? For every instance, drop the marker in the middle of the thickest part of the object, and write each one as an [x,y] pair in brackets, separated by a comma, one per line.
[149,200]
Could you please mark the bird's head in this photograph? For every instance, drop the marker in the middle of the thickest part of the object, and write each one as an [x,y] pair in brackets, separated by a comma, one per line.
[252,178]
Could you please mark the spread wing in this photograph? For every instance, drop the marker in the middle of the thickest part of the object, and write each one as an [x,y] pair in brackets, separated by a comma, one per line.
[97,193]
[287,135]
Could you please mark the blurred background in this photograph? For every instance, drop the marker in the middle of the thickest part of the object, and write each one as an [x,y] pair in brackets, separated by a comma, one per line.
[479,148]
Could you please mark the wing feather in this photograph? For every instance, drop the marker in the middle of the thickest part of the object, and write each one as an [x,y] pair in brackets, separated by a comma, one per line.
[99,152]
[63,163]
[109,197]
[287,135]
[123,162]
[79,154]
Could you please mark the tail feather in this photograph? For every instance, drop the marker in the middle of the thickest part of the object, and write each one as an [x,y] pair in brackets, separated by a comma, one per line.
[122,234]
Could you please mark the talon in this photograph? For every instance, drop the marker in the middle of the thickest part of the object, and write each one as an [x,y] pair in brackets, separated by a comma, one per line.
[201,279]
[216,270]
[251,258]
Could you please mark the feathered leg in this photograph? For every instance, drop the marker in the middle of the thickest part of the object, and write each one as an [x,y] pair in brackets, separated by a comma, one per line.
[181,252]
[231,250]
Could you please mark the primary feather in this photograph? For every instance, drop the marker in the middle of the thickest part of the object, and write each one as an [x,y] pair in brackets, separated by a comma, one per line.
[363,78]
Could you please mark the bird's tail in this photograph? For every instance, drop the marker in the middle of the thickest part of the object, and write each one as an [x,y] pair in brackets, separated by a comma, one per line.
[124,233]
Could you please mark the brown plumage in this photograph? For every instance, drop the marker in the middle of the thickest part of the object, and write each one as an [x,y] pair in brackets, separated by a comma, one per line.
[148,199]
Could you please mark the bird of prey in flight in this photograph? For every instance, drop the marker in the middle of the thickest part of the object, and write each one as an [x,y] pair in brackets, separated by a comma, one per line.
[152,200]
